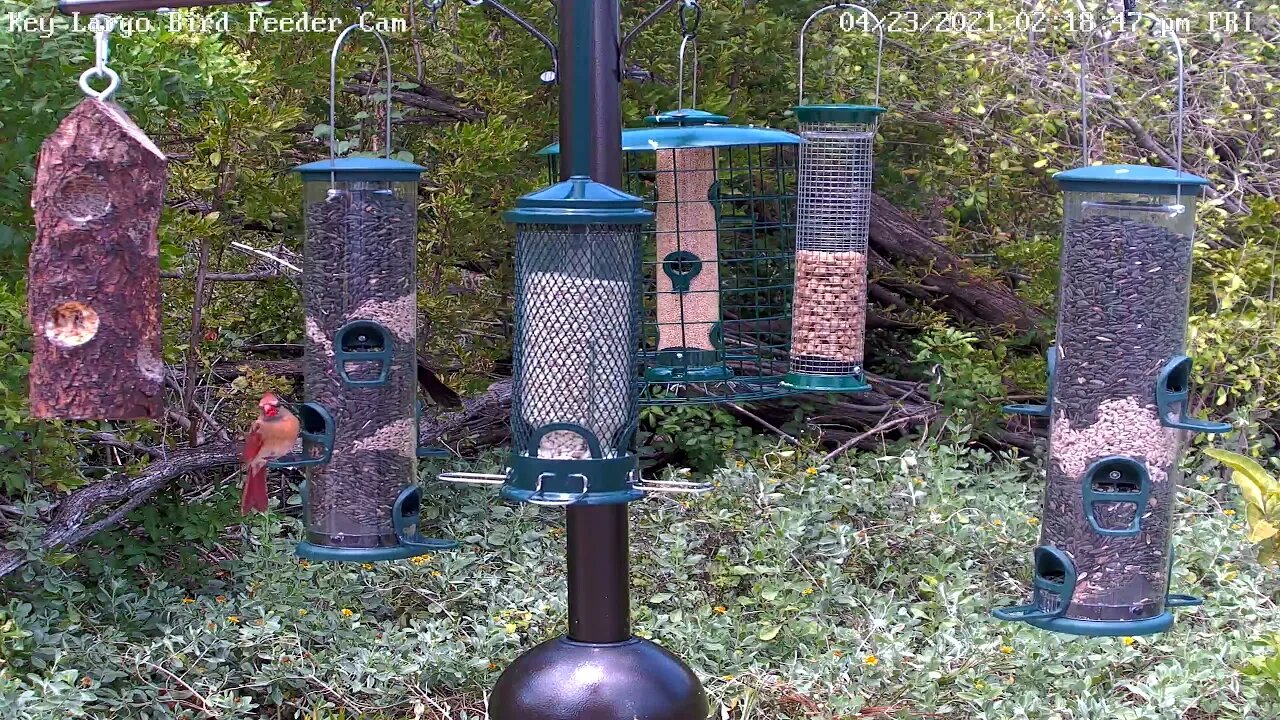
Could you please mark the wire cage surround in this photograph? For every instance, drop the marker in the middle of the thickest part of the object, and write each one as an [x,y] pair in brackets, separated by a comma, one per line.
[717,264]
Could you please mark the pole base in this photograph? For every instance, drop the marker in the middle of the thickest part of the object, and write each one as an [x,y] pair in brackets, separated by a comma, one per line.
[566,680]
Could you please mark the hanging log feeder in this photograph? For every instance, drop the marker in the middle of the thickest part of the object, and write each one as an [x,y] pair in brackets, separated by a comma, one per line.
[93,293]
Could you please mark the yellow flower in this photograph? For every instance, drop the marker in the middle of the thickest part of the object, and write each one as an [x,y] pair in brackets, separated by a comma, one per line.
[871,660]
[305,563]
[420,560]
[233,619]
[741,464]
[493,666]
[1228,512]
[188,601]
[367,566]
[221,598]
[1127,641]
[1236,526]
[978,685]
[302,611]
[1033,521]
[435,573]
[720,609]
[808,591]
[838,653]
[727,678]
[997,522]
[811,471]
[346,612]
[511,628]
[1006,649]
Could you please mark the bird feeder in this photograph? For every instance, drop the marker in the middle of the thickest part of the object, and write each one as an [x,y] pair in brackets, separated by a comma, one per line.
[717,264]
[93,291]
[1118,397]
[577,324]
[360,433]
[833,218]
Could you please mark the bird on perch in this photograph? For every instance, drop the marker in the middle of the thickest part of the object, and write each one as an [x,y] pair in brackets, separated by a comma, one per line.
[271,436]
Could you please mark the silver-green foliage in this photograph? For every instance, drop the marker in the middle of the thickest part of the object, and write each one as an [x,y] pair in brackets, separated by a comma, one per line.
[832,589]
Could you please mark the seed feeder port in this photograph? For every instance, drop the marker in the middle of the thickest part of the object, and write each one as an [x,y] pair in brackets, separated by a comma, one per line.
[833,220]
[1117,400]
[359,293]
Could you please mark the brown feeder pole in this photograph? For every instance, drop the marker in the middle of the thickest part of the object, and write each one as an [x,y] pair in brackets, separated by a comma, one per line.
[93,293]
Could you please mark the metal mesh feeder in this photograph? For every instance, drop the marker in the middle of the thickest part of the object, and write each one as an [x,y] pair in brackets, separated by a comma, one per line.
[1118,393]
[359,364]
[574,397]
[717,266]
[833,218]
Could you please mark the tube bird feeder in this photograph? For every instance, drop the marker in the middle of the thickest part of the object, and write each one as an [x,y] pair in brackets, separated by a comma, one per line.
[833,218]
[360,434]
[1118,397]
[577,326]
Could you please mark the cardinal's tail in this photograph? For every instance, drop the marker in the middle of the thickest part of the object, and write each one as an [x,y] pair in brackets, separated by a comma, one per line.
[254,497]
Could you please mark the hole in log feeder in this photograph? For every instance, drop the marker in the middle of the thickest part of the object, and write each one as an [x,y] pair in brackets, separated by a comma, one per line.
[71,324]
[84,198]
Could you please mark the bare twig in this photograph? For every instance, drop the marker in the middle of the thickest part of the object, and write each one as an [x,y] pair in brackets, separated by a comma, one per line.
[262,253]
[739,410]
[881,428]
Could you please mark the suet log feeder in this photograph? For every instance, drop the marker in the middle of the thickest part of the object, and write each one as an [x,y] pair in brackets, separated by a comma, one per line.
[93,292]
[1118,399]
[360,362]
[833,218]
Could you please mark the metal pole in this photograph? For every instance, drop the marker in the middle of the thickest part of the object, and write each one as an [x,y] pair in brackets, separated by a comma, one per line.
[590,141]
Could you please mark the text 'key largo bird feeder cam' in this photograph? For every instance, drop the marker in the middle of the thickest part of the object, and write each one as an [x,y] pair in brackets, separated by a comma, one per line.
[1118,396]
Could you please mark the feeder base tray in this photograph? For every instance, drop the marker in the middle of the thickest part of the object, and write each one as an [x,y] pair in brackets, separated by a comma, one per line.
[566,680]
[825,383]
[1106,628]
[312,551]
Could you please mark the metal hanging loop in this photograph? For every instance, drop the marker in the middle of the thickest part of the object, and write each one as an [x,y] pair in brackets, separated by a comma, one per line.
[1166,31]
[804,29]
[688,36]
[333,87]
[102,25]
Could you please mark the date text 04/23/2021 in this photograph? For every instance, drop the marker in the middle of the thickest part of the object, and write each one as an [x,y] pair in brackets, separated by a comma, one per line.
[985,21]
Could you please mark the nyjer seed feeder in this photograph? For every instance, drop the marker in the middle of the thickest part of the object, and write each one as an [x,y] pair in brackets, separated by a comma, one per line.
[359,289]
[833,219]
[1117,407]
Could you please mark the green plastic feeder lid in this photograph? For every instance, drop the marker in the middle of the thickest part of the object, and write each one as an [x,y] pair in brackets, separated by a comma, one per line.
[1135,179]
[865,114]
[579,201]
[686,118]
[360,168]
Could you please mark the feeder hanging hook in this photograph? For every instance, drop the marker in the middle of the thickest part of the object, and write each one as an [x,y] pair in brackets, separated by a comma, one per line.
[688,36]
[102,25]
[434,7]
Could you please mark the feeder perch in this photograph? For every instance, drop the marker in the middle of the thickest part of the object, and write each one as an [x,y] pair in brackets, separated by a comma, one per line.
[359,292]
[1045,410]
[1118,396]
[574,398]
[833,219]
[93,292]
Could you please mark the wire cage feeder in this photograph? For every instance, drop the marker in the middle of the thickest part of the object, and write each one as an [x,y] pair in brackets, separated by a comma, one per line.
[717,257]
[1118,396]
[833,219]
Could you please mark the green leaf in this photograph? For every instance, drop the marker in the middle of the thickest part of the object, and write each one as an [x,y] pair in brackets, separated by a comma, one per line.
[1255,483]
[770,633]
[1262,530]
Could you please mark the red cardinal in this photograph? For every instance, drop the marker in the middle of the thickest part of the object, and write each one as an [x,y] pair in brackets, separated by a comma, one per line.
[273,435]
